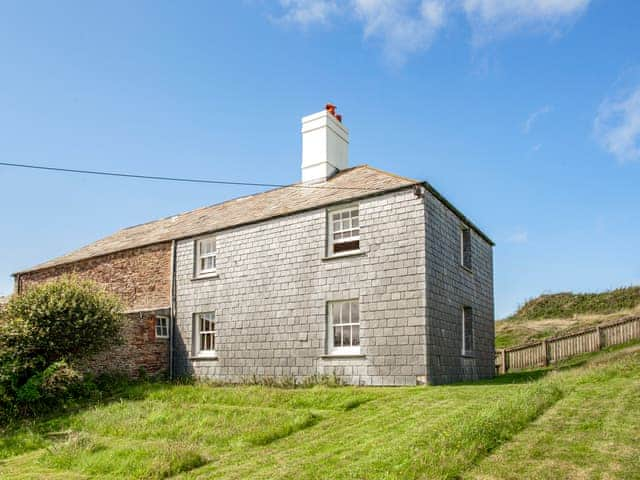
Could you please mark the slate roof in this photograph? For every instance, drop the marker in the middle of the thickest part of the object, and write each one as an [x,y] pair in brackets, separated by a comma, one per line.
[349,184]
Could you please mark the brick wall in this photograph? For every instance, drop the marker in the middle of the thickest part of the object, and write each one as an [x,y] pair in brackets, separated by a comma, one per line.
[450,287]
[273,286]
[141,277]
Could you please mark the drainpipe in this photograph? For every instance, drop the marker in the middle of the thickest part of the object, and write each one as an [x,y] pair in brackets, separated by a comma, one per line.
[173,307]
[427,260]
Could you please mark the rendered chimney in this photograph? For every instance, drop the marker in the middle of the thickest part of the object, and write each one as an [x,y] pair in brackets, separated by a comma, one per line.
[325,145]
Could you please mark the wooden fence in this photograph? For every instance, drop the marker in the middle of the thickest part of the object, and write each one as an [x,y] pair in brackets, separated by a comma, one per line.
[550,350]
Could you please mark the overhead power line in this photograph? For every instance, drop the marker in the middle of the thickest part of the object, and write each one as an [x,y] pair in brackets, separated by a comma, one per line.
[177,179]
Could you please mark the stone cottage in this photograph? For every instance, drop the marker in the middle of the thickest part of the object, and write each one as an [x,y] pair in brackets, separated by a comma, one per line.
[356,272]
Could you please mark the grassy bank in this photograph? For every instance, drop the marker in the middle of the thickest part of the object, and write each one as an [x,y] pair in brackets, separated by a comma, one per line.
[197,431]
[561,313]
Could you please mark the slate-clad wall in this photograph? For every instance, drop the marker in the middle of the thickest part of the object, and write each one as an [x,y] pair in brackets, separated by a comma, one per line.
[450,287]
[273,285]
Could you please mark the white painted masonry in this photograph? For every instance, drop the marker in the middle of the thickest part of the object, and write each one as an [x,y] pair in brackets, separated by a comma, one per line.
[325,146]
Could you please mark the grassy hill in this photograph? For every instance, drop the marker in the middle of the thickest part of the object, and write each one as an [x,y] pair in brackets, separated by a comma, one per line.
[577,421]
[558,313]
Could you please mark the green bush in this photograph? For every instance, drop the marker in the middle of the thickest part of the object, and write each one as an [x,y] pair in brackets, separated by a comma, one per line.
[66,319]
[43,332]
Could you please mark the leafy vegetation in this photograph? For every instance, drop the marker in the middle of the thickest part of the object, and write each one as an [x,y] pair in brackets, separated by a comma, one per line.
[563,419]
[559,313]
[42,332]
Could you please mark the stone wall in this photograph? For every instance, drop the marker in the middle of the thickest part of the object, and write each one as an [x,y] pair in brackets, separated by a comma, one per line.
[141,277]
[271,295]
[140,352]
[450,287]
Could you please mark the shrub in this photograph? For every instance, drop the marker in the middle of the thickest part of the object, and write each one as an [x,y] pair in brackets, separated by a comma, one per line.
[65,319]
[42,332]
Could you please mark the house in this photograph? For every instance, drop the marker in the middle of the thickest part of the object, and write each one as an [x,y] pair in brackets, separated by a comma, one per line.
[354,272]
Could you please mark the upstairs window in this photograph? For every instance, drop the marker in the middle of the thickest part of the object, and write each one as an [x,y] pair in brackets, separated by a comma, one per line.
[465,247]
[344,230]
[204,334]
[206,256]
[467,330]
[344,327]
[162,327]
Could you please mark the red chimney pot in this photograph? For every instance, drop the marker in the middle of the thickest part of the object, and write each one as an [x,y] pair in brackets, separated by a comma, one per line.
[331,108]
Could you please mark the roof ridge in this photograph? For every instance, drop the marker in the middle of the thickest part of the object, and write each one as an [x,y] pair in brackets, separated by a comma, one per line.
[391,174]
[169,217]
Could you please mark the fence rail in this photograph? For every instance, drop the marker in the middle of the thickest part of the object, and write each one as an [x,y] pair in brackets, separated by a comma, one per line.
[551,350]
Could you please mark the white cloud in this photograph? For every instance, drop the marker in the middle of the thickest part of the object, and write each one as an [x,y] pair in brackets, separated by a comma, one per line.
[617,125]
[306,12]
[490,19]
[519,237]
[531,120]
[403,26]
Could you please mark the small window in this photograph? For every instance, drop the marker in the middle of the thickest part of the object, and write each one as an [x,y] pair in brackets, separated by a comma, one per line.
[162,327]
[344,230]
[465,248]
[204,334]
[206,256]
[344,327]
[467,330]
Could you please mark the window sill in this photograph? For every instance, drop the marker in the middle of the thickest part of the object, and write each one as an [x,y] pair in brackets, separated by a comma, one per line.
[354,253]
[205,276]
[338,356]
[467,269]
[204,358]
[468,355]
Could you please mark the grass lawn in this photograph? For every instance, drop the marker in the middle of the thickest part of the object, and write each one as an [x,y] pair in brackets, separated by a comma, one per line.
[580,421]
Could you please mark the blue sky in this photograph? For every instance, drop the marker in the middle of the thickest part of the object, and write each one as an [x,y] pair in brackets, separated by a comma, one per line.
[525,114]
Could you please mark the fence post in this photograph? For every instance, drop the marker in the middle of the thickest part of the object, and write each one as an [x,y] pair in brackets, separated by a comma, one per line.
[545,349]
[598,338]
[503,361]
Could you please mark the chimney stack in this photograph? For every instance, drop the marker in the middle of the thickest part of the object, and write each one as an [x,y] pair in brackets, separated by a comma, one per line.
[325,145]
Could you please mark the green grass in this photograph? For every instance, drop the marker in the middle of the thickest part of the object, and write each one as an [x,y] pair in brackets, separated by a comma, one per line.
[581,419]
[561,313]
[568,304]
[590,434]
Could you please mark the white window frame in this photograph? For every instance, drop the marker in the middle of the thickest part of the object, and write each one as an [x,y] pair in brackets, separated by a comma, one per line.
[465,350]
[199,271]
[465,230]
[198,351]
[331,231]
[342,350]
[162,326]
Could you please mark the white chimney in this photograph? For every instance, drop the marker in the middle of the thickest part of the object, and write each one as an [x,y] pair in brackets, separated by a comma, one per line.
[325,145]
